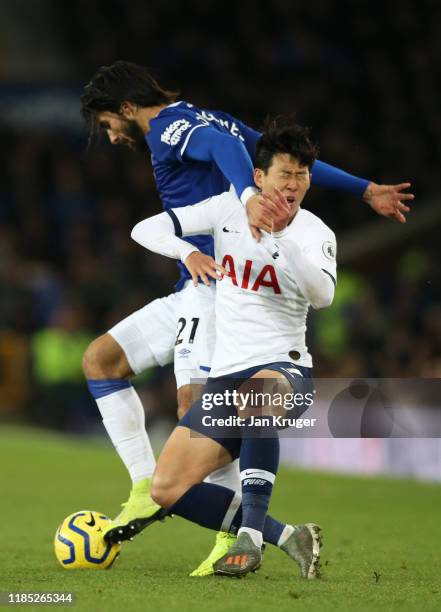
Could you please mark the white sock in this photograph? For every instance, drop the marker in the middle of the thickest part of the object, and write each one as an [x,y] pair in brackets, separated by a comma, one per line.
[285,535]
[124,420]
[227,476]
[255,535]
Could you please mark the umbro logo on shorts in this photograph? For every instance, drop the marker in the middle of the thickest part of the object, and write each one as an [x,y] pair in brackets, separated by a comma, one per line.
[184,352]
[229,231]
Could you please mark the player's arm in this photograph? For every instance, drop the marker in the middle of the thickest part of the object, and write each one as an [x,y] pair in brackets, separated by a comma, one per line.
[183,139]
[386,200]
[316,284]
[228,153]
[313,269]
[323,175]
[163,234]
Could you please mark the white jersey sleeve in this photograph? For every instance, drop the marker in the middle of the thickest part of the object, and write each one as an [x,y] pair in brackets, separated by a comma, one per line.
[311,263]
[323,252]
[162,233]
[201,218]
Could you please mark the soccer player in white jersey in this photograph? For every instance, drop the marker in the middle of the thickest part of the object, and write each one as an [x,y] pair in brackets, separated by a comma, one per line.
[264,291]
[195,154]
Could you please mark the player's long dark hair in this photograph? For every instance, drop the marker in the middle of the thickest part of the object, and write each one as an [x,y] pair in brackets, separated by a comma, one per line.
[121,82]
[282,135]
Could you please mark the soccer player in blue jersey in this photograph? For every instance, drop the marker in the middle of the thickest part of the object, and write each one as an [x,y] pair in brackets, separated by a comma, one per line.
[195,154]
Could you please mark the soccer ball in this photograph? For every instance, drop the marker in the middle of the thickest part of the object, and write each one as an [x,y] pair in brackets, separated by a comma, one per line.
[79,543]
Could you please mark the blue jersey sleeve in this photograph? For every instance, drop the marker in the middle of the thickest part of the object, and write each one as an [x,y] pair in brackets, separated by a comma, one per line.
[227,152]
[325,175]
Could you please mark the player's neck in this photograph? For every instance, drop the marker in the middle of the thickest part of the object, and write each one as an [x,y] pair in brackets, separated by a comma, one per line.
[294,215]
[146,114]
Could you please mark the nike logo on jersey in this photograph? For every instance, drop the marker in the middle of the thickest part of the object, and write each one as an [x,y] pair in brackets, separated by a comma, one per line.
[91,523]
[229,231]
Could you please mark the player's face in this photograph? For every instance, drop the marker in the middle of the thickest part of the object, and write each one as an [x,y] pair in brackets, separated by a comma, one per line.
[287,175]
[122,131]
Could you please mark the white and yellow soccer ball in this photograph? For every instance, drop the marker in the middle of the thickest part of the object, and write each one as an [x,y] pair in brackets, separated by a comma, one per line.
[79,542]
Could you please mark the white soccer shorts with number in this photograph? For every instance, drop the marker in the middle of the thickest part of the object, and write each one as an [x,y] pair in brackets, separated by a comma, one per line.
[179,328]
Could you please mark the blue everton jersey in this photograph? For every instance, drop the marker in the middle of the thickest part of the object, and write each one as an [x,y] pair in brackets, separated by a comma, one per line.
[183,178]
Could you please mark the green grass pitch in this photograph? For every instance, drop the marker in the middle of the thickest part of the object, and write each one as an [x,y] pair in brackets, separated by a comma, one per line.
[382,546]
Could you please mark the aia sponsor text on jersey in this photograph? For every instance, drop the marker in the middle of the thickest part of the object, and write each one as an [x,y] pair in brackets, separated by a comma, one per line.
[266,277]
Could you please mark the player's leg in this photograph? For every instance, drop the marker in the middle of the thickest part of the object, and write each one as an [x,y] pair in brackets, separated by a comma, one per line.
[177,485]
[142,340]
[259,459]
[195,339]
[185,460]
[227,475]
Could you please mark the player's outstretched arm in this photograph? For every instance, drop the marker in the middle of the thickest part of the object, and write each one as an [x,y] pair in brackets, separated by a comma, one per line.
[386,200]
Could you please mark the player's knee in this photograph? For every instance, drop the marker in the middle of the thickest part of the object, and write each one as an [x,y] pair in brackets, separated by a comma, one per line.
[90,361]
[104,358]
[185,400]
[165,491]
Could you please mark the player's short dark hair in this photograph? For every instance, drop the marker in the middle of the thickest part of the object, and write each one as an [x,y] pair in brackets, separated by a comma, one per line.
[121,82]
[282,135]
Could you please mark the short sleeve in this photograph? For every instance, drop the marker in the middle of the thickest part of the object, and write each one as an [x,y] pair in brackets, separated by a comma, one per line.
[169,135]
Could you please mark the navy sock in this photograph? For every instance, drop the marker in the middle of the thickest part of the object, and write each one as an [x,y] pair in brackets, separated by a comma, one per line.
[272,529]
[101,388]
[259,461]
[208,505]
[219,508]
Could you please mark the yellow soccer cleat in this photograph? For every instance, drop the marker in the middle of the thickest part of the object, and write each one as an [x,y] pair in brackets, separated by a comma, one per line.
[224,541]
[138,512]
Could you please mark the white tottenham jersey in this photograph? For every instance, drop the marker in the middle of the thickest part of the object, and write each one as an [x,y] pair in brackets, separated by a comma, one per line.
[260,310]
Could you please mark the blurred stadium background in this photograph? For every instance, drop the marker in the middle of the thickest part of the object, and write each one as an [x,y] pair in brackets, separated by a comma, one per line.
[366,80]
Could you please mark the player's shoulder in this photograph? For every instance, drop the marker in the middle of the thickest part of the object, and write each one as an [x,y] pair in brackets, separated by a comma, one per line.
[227,208]
[185,111]
[227,205]
[170,128]
[223,203]
[175,111]
[312,224]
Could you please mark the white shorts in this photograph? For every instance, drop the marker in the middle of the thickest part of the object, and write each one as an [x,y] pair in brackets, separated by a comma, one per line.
[179,328]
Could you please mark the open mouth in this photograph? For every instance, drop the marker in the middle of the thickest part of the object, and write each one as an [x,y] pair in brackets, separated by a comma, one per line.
[291,199]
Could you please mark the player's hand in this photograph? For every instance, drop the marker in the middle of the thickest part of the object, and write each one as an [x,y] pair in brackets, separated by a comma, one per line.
[257,217]
[278,209]
[204,266]
[387,200]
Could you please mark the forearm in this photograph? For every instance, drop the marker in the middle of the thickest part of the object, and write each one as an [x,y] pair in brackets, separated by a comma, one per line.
[236,165]
[229,154]
[158,235]
[324,175]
